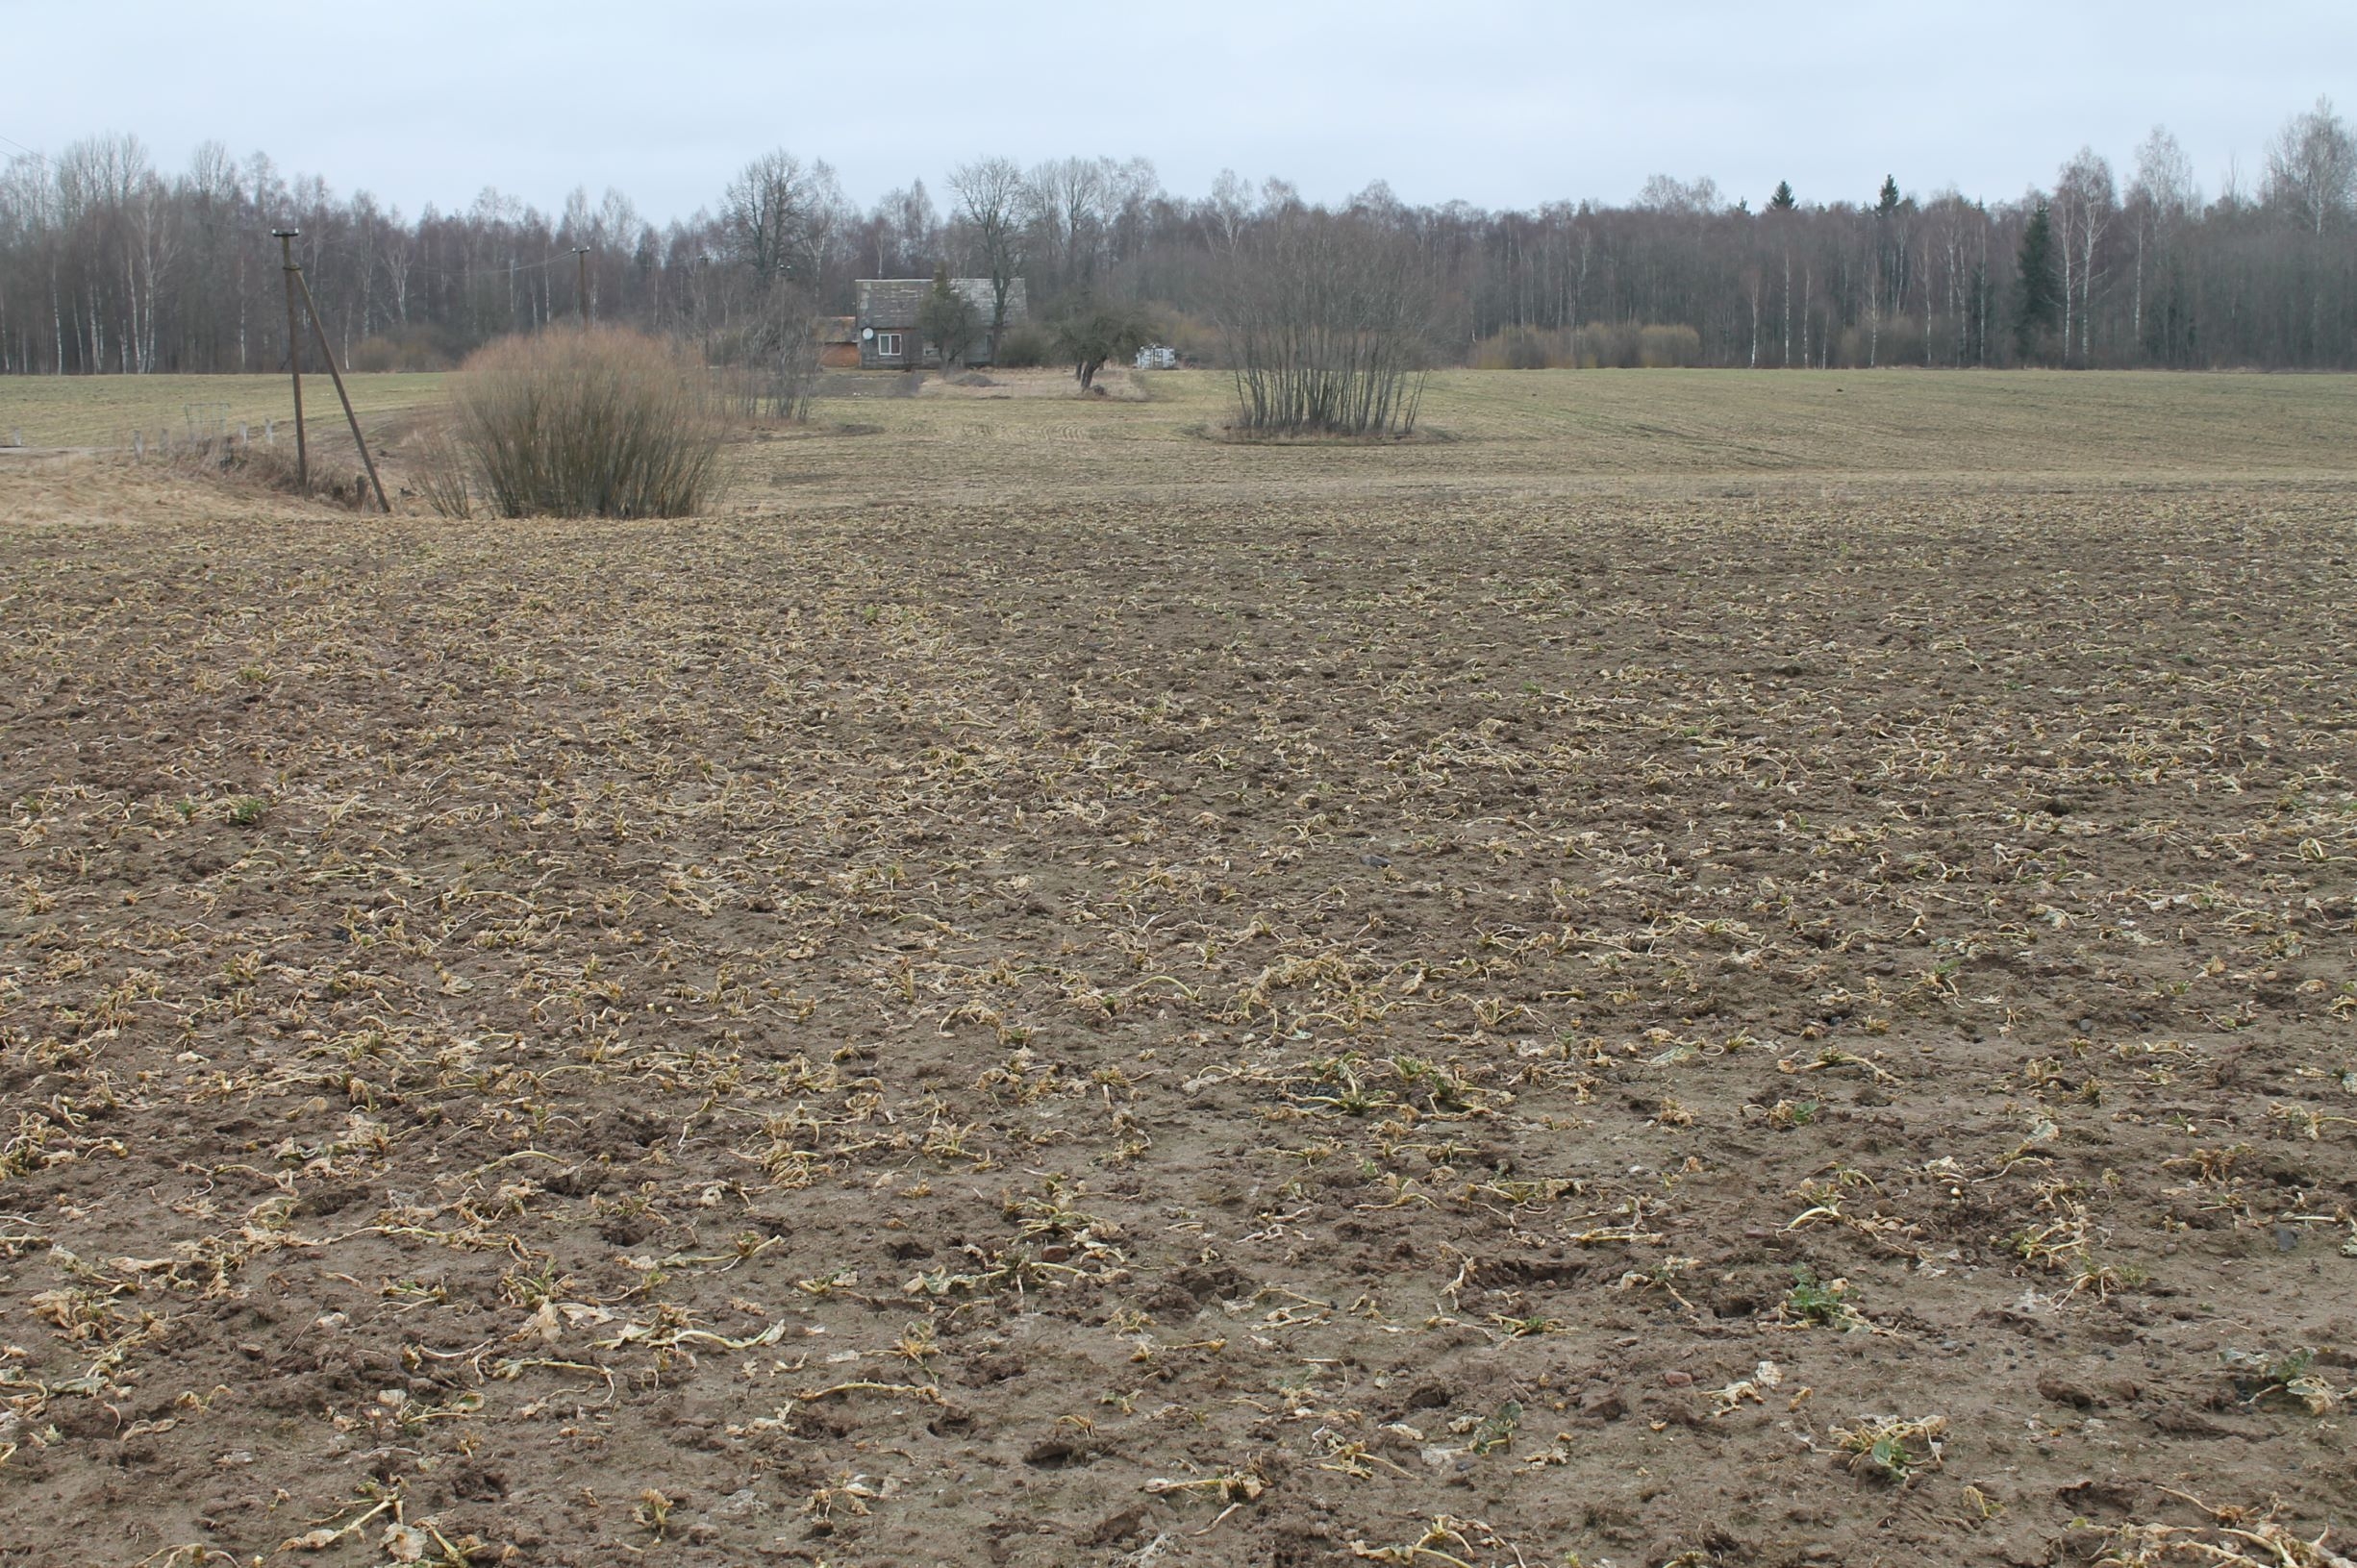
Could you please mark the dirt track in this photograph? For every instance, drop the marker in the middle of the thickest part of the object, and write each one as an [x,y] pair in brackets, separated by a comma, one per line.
[1186,1032]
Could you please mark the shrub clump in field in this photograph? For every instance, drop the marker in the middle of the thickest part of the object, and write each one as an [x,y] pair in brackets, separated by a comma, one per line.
[584,423]
[1328,318]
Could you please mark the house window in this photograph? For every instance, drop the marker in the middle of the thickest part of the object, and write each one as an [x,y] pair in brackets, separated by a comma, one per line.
[888,345]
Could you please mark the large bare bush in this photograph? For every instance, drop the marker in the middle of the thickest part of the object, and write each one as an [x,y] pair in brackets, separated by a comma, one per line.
[1328,322]
[589,423]
[766,367]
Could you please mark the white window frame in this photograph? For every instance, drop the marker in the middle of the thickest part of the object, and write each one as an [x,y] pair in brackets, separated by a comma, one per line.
[888,345]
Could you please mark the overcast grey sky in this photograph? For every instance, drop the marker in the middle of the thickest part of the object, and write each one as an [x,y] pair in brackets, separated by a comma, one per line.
[1501,103]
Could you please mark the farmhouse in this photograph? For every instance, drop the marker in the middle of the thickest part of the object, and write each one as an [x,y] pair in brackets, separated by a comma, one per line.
[838,342]
[887,320]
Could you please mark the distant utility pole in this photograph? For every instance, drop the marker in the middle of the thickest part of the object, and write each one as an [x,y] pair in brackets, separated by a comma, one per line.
[581,289]
[294,281]
[294,358]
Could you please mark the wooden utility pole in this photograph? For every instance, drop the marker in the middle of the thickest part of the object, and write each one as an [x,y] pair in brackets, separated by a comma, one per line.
[350,418]
[581,289]
[294,358]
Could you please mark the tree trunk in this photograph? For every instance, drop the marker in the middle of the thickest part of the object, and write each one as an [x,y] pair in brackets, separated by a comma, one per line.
[2136,311]
[2093,231]
[1874,320]
[1788,309]
[2067,296]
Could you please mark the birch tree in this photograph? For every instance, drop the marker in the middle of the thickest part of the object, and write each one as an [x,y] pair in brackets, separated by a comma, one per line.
[2312,169]
[2085,202]
[1227,209]
[2159,199]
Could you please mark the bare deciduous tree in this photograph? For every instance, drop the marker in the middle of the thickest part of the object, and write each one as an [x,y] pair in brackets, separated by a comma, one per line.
[1667,193]
[991,197]
[1069,201]
[108,266]
[2159,199]
[2085,202]
[2312,168]
[1227,209]
[781,215]
[902,233]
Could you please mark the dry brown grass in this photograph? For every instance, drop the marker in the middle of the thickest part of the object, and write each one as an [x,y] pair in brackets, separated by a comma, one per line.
[107,412]
[253,466]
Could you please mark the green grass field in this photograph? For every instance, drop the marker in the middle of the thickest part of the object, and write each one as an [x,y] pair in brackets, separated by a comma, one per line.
[1688,420]
[1499,424]
[103,410]
[1540,433]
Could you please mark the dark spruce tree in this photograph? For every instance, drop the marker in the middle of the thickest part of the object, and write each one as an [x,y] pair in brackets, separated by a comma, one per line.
[2038,305]
[1782,201]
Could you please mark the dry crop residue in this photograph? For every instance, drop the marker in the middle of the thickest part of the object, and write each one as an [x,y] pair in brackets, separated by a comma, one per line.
[1664,1025]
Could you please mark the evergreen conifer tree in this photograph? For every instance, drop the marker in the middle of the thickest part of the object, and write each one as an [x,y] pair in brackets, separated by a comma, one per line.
[2039,305]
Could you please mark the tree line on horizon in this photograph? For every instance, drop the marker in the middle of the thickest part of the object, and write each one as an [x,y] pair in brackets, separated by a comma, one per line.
[109,265]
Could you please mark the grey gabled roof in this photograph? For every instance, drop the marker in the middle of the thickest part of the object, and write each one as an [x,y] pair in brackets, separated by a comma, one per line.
[892,302]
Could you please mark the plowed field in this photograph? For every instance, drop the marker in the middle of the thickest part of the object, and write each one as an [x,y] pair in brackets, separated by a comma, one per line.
[1045,992]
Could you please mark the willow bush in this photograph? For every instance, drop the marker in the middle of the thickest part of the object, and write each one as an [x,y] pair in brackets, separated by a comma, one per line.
[1328,317]
[595,422]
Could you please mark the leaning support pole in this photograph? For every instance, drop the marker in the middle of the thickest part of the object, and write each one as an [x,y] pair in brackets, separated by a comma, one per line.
[350,418]
[294,357]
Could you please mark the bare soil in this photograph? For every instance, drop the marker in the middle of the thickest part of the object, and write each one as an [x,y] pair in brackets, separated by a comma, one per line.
[1705,1022]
